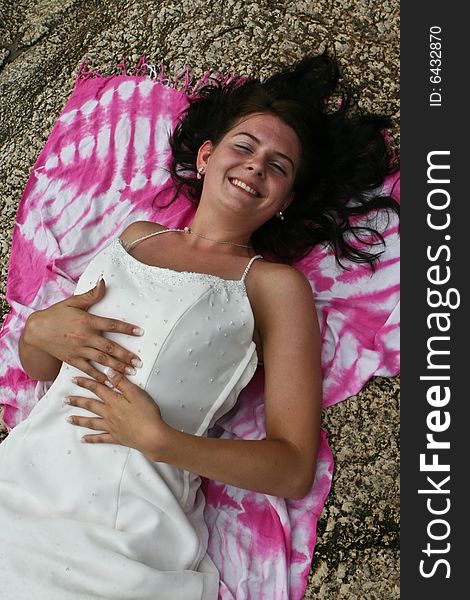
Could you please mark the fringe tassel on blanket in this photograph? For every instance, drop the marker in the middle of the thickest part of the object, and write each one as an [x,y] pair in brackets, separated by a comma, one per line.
[182,80]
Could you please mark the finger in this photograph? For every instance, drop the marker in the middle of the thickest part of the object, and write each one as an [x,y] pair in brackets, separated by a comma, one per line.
[90,404]
[120,382]
[102,391]
[89,370]
[98,438]
[95,423]
[92,296]
[108,353]
[114,326]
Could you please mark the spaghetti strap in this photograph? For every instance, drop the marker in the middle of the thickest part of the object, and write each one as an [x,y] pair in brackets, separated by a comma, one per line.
[248,266]
[130,245]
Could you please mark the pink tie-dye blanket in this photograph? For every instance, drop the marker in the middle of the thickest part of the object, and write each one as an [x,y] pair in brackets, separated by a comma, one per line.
[100,169]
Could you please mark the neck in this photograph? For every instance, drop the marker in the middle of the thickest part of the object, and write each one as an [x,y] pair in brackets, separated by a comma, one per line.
[220,232]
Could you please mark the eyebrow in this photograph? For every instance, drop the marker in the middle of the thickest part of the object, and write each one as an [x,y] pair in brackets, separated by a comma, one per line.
[255,139]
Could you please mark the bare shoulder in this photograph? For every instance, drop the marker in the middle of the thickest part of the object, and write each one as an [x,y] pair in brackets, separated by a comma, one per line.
[276,287]
[269,277]
[139,229]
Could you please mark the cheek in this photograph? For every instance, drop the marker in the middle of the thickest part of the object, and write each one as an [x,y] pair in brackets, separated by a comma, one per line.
[220,166]
[283,189]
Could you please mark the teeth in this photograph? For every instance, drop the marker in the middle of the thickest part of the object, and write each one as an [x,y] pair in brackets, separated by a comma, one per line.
[244,186]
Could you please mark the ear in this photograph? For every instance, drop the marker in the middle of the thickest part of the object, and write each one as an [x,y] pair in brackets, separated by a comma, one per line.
[203,154]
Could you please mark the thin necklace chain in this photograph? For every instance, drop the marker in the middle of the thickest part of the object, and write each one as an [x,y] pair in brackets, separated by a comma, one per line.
[189,230]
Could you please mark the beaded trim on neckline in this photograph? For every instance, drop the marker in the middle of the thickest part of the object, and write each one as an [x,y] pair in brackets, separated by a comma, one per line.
[172,277]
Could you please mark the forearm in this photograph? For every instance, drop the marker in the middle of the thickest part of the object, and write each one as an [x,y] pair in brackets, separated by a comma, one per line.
[273,467]
[37,363]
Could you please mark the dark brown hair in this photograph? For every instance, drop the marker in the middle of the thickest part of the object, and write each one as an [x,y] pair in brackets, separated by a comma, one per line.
[345,159]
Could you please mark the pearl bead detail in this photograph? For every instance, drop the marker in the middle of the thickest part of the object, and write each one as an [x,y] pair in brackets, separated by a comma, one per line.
[170,277]
[206,299]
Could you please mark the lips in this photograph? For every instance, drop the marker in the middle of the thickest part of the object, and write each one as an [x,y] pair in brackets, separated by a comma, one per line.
[244,186]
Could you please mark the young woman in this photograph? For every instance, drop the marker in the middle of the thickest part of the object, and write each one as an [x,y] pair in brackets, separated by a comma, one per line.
[149,358]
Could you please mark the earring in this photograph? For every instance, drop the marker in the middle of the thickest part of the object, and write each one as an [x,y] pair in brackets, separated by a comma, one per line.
[200,172]
[280,216]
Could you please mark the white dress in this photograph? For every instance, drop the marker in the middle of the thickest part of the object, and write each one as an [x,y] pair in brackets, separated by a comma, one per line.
[92,521]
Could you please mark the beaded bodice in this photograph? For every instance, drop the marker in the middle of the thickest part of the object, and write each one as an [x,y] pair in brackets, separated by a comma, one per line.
[187,276]
[197,348]
[176,278]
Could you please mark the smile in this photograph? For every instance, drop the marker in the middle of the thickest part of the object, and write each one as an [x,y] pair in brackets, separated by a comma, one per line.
[243,186]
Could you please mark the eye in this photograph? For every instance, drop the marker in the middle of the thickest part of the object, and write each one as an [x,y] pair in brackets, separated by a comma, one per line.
[279,168]
[243,147]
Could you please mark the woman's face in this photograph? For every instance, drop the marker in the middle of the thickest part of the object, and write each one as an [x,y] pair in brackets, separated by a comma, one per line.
[251,171]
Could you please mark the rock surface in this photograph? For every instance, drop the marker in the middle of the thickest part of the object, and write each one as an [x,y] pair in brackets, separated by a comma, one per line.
[42,43]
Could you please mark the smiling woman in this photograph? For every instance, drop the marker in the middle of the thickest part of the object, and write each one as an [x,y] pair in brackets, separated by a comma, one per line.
[336,154]
[271,172]
[256,159]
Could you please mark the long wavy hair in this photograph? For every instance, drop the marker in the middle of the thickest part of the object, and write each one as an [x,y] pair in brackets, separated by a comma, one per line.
[345,159]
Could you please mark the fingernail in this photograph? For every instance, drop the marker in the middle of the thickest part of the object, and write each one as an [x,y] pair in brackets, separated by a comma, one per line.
[138,331]
[83,440]
[99,279]
[137,362]
[110,372]
[109,384]
[74,380]
[130,371]
[69,419]
[66,400]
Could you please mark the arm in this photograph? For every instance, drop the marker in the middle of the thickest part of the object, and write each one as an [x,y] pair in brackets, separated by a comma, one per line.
[37,363]
[66,332]
[284,463]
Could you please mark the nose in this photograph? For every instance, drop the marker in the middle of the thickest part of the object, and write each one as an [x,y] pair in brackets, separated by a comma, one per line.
[257,167]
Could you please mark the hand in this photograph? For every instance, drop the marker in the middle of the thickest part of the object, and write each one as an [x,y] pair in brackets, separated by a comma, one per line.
[130,418]
[67,332]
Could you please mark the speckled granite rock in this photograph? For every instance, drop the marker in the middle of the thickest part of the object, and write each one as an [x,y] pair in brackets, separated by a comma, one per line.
[358,533]
[41,45]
